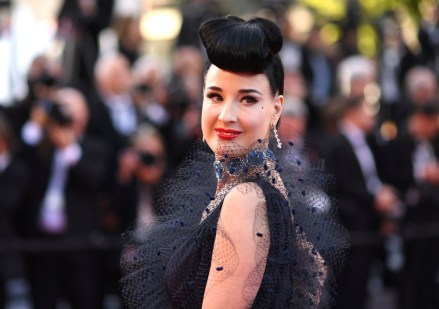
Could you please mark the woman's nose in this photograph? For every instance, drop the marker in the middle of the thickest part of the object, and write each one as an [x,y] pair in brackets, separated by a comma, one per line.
[228,112]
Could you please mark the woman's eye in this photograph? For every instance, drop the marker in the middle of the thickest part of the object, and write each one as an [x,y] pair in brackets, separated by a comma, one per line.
[214,97]
[249,100]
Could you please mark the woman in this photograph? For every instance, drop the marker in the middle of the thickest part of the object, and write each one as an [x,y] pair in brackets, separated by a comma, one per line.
[257,235]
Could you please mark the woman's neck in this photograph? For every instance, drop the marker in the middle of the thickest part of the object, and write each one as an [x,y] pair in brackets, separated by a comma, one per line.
[231,170]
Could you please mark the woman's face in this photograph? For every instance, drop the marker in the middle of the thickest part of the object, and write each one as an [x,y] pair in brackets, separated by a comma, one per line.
[237,108]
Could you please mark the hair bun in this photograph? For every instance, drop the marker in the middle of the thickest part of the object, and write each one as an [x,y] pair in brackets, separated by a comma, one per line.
[243,46]
[273,35]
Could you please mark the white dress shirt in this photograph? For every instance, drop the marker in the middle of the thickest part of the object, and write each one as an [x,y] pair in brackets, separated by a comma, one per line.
[53,217]
[422,156]
[123,113]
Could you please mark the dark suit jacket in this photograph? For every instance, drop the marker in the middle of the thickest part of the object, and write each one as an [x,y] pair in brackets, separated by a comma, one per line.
[429,47]
[396,165]
[14,191]
[101,124]
[82,48]
[355,201]
[17,114]
[95,23]
[82,188]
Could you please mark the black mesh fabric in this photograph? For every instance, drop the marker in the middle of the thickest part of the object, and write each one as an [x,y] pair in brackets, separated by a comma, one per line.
[167,265]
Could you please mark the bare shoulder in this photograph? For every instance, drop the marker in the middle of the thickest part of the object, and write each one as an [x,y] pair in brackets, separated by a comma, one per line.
[242,202]
[248,191]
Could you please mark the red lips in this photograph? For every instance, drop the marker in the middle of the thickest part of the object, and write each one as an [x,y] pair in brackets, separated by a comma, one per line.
[227,133]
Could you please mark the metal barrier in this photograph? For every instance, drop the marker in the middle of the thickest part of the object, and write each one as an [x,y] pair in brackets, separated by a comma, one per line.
[104,242]
[61,245]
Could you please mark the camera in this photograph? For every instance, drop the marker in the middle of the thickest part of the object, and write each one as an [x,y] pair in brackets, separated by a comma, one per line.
[149,159]
[58,114]
[142,88]
[45,79]
[45,104]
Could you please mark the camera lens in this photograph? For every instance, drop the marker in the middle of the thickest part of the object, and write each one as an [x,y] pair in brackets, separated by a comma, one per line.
[142,88]
[147,158]
[59,115]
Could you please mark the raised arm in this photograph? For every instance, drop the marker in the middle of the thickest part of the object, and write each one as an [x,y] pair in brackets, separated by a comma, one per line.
[240,250]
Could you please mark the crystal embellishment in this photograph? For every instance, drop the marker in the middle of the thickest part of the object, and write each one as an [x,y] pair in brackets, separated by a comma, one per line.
[219,170]
[256,157]
[240,165]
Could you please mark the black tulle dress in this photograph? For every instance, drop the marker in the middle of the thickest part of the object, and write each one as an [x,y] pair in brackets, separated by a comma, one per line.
[167,265]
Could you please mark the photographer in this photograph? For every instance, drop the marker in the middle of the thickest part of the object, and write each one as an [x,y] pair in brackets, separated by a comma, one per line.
[68,169]
[141,169]
[28,115]
[410,164]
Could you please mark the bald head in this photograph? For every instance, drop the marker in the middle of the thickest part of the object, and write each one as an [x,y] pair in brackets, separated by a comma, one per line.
[149,70]
[112,74]
[421,85]
[75,105]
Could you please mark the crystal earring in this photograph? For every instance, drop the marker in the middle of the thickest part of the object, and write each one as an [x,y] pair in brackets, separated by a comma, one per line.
[276,136]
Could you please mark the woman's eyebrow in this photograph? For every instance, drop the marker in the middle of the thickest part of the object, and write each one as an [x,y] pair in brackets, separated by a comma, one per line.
[249,91]
[214,88]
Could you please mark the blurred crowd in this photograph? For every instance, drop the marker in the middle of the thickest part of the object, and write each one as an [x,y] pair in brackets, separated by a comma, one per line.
[82,154]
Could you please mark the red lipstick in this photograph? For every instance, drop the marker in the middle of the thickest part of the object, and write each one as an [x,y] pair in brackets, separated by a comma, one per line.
[227,133]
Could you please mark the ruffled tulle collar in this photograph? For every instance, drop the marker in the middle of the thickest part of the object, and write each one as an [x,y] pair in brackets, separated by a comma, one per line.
[314,248]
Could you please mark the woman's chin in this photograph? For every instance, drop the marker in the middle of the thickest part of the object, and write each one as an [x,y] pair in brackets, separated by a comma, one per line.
[230,147]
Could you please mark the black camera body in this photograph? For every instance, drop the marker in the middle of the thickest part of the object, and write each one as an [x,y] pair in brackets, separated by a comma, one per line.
[147,159]
[45,79]
[56,112]
[143,88]
[60,116]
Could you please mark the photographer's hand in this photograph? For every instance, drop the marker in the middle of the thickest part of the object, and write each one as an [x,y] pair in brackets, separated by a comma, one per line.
[128,165]
[39,115]
[432,173]
[32,131]
[388,203]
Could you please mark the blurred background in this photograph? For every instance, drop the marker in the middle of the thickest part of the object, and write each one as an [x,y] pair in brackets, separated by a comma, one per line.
[30,28]
[101,99]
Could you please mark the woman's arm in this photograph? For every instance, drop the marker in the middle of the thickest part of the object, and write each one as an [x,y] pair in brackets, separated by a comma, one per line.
[240,250]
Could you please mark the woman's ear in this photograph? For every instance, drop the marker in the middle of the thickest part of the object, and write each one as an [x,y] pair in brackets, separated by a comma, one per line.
[278,106]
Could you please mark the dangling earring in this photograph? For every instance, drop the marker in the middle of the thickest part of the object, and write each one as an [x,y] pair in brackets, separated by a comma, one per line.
[204,140]
[276,136]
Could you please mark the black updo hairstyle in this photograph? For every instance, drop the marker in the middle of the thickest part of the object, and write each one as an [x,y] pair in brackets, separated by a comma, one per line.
[240,46]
